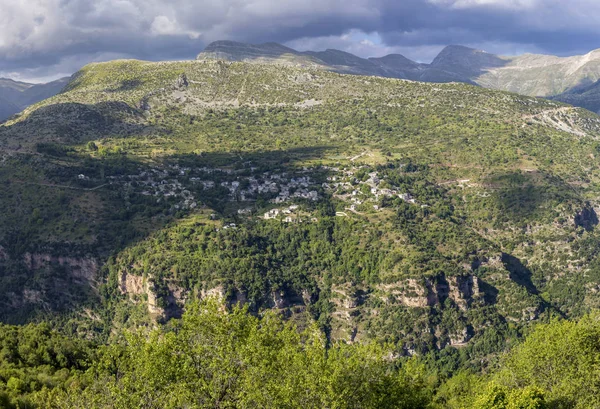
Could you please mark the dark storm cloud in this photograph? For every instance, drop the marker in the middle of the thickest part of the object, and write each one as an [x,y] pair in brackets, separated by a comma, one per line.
[548,26]
[47,37]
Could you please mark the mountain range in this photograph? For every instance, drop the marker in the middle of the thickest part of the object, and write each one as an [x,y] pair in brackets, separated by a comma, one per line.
[16,96]
[574,80]
[570,79]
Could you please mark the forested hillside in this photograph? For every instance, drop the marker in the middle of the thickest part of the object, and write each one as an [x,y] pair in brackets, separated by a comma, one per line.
[426,228]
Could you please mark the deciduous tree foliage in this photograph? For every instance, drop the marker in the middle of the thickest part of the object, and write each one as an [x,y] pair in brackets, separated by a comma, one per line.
[218,359]
[228,358]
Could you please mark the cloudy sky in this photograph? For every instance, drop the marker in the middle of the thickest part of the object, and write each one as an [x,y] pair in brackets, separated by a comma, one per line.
[46,39]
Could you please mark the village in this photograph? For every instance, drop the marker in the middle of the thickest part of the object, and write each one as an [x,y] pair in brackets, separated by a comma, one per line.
[185,188]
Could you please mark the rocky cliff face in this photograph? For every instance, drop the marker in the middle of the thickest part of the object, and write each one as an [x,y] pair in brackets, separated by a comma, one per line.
[46,282]
[84,269]
[431,292]
[163,303]
[352,306]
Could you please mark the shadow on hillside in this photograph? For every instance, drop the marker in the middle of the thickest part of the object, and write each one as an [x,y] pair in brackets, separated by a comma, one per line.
[75,123]
[522,276]
[490,292]
[522,197]
[126,85]
[586,94]
[466,62]
[122,218]
[518,273]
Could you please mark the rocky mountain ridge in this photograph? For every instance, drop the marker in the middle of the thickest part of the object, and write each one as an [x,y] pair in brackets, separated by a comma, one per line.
[563,78]
[570,79]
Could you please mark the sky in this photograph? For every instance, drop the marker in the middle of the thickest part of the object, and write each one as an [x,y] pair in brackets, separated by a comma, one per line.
[41,40]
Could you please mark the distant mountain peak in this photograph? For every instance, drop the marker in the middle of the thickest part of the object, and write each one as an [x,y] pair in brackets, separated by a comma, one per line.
[459,48]
[333,59]
[460,51]
[465,61]
[17,95]
[237,51]
[393,57]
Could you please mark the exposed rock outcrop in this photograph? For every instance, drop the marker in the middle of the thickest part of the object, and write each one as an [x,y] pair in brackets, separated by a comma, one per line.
[182,81]
[217,292]
[461,338]
[432,291]
[162,307]
[82,268]
[131,284]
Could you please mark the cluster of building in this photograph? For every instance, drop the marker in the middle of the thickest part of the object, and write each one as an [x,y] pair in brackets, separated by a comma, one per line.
[348,188]
[285,188]
[159,184]
[290,214]
[176,184]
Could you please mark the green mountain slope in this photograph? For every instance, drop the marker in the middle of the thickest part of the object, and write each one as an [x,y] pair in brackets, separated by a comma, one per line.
[426,215]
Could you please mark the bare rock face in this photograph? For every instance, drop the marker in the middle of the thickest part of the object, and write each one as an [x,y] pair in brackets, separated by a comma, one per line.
[165,307]
[82,268]
[153,307]
[460,338]
[438,290]
[279,299]
[217,292]
[432,291]
[33,296]
[131,284]
[307,297]
[463,289]
[410,292]
[182,81]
